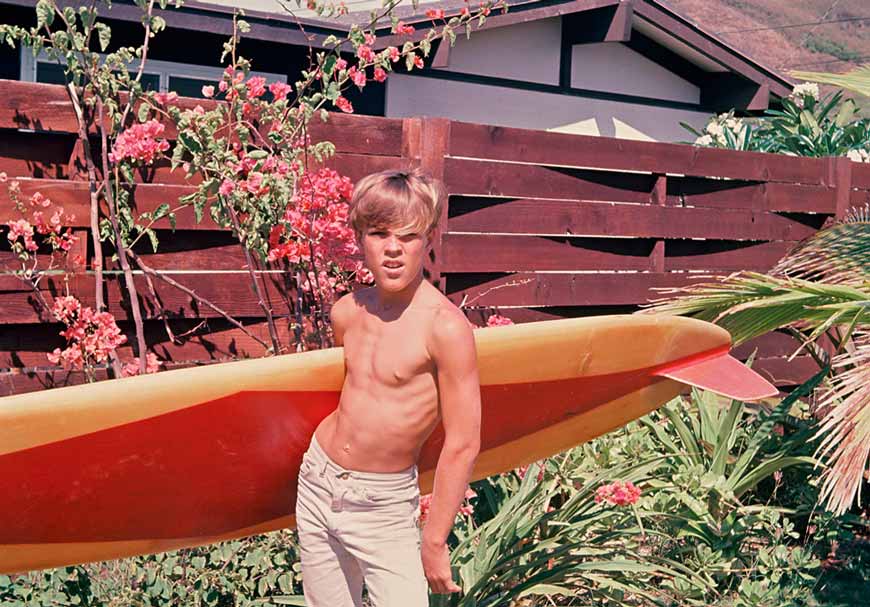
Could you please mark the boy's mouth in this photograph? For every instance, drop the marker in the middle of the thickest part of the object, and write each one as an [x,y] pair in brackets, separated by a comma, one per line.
[393,265]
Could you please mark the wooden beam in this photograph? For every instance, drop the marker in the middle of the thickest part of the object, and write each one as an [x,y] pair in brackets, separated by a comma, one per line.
[605,24]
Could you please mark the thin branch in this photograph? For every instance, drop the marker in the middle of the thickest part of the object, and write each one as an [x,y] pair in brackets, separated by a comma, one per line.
[149,270]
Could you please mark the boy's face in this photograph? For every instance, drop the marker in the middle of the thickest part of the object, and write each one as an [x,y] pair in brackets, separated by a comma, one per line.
[395,259]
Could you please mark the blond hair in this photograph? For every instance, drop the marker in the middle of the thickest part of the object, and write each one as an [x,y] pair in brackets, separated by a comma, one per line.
[404,201]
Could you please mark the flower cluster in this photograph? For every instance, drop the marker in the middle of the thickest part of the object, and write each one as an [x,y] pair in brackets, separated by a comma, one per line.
[140,143]
[467,509]
[315,234]
[22,231]
[804,90]
[714,132]
[91,336]
[858,155]
[497,320]
[618,493]
[152,365]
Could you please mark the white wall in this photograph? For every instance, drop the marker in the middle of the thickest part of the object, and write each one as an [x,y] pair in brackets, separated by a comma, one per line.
[615,68]
[525,51]
[409,95]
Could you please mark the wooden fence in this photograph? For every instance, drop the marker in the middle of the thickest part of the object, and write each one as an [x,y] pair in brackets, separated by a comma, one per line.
[540,225]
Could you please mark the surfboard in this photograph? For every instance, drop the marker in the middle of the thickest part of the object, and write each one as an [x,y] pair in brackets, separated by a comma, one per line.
[193,456]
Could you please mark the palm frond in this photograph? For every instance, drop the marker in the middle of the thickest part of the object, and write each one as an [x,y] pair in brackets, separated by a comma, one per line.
[749,304]
[838,255]
[846,426]
[858,80]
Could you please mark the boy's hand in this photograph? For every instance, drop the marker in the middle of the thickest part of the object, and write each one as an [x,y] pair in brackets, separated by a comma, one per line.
[436,565]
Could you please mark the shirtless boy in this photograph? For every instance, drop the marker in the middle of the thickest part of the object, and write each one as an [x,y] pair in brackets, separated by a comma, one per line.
[410,362]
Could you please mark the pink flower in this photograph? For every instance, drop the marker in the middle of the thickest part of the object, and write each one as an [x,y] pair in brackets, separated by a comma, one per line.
[340,64]
[91,337]
[365,53]
[222,86]
[344,105]
[497,320]
[401,28]
[380,74]
[227,187]
[208,91]
[370,39]
[618,493]
[435,13]
[426,503]
[464,12]
[38,200]
[280,90]
[164,98]
[66,308]
[418,61]
[140,143]
[357,76]
[394,53]
[256,86]
[3,177]
[152,365]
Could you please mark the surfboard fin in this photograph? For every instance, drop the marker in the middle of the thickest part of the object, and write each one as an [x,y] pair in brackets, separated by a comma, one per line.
[724,375]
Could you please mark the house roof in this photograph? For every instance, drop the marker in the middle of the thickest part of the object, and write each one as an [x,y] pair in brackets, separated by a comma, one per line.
[663,34]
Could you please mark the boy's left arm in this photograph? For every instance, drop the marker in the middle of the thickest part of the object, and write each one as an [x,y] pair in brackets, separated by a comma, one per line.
[455,355]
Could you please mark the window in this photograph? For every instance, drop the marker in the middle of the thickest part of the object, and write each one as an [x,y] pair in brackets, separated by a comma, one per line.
[185,79]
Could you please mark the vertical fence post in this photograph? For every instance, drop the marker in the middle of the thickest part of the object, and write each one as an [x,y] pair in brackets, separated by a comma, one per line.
[425,143]
[840,178]
[658,197]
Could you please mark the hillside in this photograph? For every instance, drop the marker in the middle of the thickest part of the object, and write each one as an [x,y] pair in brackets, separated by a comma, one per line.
[784,34]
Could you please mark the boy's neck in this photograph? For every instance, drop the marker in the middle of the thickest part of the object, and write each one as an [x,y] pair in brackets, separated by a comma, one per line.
[398,300]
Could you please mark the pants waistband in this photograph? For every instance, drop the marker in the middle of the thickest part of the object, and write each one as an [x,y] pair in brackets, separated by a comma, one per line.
[325,463]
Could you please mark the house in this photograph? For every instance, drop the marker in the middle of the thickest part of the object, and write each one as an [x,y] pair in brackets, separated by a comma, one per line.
[621,68]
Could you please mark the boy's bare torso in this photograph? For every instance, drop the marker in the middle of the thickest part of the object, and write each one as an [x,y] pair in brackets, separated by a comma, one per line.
[389,401]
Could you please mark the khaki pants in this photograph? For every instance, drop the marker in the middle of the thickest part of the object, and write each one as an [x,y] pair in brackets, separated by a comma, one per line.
[357,527]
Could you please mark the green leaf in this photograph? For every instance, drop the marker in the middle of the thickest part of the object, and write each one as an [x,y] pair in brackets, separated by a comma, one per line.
[44,13]
[171,217]
[157,24]
[104,33]
[144,112]
[152,235]
[190,142]
[161,211]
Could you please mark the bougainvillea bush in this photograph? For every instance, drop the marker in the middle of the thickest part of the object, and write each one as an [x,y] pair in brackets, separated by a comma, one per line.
[247,151]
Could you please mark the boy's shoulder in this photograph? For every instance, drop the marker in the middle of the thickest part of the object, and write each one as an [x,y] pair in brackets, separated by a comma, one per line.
[449,323]
[345,308]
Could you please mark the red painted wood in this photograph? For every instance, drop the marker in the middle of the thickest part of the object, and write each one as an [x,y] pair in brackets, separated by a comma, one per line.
[861,175]
[213,341]
[46,107]
[41,155]
[770,196]
[232,292]
[782,372]
[561,149]
[565,289]
[721,255]
[490,253]
[537,216]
